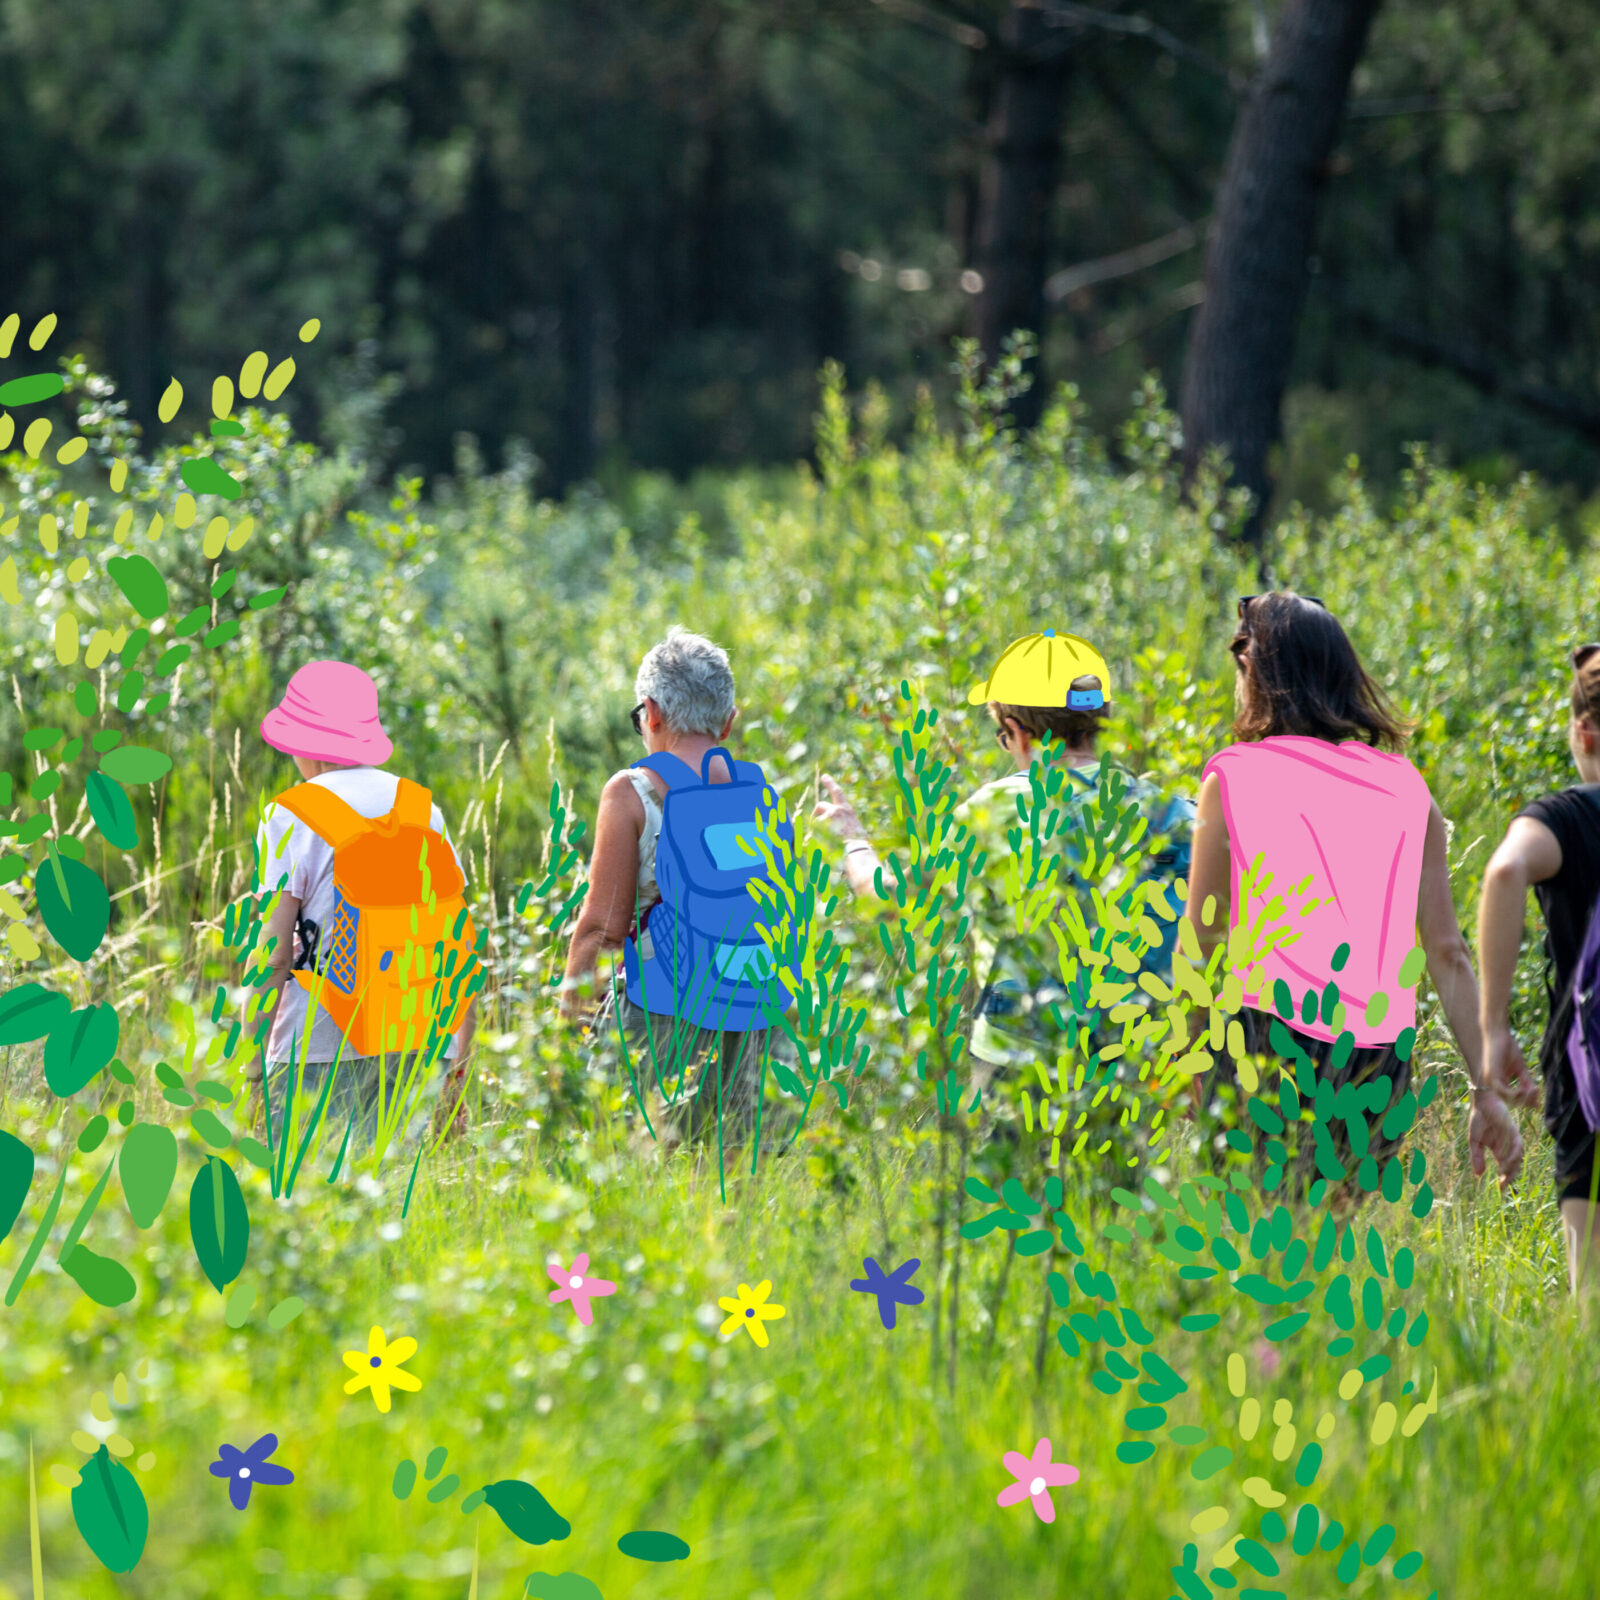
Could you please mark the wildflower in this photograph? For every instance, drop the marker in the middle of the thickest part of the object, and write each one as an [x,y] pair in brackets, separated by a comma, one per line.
[749,1310]
[1035,1476]
[892,1288]
[380,1368]
[1267,1355]
[577,1286]
[244,1469]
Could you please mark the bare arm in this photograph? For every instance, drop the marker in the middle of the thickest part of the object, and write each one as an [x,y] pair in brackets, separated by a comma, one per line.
[280,942]
[1210,866]
[860,859]
[613,886]
[1449,963]
[1529,854]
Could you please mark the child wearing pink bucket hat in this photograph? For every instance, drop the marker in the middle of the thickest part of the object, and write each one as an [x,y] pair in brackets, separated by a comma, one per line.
[328,722]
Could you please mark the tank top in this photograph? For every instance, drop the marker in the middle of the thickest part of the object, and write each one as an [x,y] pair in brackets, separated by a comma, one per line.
[1353,820]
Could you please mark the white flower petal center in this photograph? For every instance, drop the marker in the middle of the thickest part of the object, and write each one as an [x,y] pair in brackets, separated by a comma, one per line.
[244,1472]
[575,1282]
[1037,1486]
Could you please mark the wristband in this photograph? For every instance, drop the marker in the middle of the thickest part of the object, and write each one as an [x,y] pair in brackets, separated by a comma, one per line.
[858,844]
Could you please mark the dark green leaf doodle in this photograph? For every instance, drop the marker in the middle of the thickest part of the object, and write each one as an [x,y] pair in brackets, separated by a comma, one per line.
[132,763]
[77,927]
[112,811]
[16,1178]
[147,1165]
[525,1511]
[219,1224]
[79,1048]
[644,1545]
[111,1514]
[29,1011]
[141,582]
[106,1282]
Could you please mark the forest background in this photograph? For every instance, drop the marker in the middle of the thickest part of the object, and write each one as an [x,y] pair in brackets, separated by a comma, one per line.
[578,268]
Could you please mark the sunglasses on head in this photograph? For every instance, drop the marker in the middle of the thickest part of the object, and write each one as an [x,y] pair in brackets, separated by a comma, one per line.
[636,717]
[1245,601]
[1582,653]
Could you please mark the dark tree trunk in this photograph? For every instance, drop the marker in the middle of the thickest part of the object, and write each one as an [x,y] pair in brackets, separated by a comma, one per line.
[1265,219]
[1021,163]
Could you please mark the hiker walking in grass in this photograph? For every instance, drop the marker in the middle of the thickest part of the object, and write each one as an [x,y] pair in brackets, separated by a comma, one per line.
[1048,700]
[1553,846]
[1317,788]
[668,888]
[346,848]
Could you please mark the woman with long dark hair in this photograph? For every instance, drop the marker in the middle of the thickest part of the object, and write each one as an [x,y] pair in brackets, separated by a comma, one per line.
[1317,791]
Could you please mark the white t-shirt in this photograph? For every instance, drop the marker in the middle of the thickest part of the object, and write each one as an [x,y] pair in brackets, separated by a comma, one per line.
[304,869]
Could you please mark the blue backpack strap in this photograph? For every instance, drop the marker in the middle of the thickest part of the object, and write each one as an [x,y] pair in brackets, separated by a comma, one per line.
[705,763]
[673,770]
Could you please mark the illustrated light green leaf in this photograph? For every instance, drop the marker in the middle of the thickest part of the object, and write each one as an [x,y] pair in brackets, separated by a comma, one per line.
[525,1511]
[80,1047]
[141,582]
[568,1586]
[112,811]
[106,1282]
[77,927]
[16,1178]
[111,1513]
[644,1545]
[134,763]
[29,1011]
[219,1224]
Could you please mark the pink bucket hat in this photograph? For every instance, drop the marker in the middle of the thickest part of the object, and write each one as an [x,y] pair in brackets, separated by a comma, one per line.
[329,713]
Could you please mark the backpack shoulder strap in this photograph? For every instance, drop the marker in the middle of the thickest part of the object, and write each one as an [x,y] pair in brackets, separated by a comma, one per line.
[413,806]
[324,813]
[673,770]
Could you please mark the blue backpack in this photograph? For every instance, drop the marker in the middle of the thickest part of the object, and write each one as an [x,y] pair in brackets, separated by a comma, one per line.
[704,959]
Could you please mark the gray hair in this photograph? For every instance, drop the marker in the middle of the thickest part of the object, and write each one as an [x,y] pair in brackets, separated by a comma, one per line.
[690,679]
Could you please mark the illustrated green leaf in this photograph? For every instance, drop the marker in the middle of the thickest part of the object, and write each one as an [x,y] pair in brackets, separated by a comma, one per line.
[106,1282]
[31,389]
[29,1011]
[80,1047]
[204,476]
[219,1224]
[112,811]
[16,1178]
[111,1513]
[134,763]
[147,1165]
[644,1545]
[525,1511]
[568,1586]
[141,582]
[78,918]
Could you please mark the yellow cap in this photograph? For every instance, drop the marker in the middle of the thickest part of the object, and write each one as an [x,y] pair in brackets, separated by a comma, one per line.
[1038,669]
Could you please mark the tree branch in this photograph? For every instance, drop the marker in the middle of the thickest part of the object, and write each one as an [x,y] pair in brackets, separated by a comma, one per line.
[960,29]
[1125,262]
[1067,14]
[1580,415]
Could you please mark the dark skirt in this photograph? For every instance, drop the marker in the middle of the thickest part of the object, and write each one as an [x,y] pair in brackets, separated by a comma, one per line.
[1365,1065]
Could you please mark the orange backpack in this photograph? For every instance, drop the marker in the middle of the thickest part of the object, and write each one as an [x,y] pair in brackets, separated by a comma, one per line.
[395,965]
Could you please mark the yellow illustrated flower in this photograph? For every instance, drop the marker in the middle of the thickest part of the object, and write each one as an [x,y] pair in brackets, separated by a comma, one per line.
[379,1369]
[750,1310]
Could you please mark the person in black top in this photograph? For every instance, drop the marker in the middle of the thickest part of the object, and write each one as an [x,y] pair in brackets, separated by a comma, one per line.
[1552,845]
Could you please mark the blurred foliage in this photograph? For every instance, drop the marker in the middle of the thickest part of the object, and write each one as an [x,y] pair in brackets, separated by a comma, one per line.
[629,234]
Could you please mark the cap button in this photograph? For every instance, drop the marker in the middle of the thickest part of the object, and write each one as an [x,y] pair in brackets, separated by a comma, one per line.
[1049,633]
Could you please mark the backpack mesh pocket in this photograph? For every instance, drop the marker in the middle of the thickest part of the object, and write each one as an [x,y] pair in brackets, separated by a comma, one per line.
[341,968]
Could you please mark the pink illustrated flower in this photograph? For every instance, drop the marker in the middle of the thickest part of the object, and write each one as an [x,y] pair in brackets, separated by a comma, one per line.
[577,1286]
[1035,1476]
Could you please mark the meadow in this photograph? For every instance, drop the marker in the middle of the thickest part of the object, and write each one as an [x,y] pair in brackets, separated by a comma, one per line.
[844,1459]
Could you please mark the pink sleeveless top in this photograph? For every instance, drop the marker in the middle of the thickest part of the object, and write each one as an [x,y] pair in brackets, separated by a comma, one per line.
[1352,819]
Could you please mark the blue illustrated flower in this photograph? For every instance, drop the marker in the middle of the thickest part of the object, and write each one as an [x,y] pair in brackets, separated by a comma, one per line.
[245,1468]
[891,1288]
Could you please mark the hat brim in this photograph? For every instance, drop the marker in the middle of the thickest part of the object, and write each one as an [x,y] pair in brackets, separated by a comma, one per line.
[294,738]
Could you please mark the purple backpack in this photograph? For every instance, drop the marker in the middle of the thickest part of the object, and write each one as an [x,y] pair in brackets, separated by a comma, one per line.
[1583,1037]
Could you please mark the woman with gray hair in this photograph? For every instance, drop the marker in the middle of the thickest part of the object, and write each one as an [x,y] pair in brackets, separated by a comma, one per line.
[686,709]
